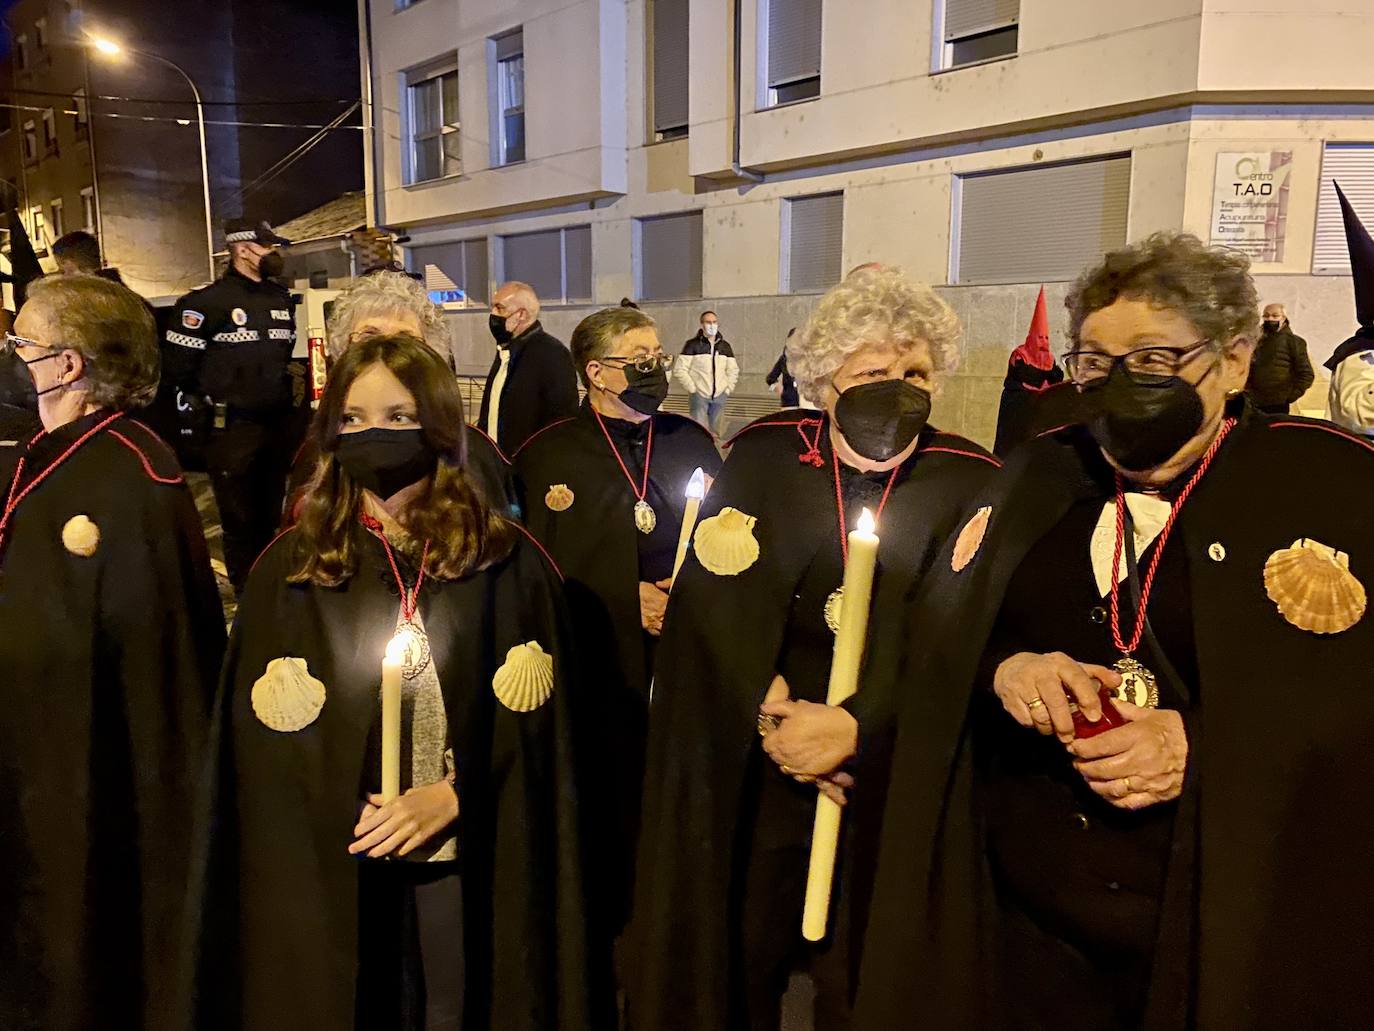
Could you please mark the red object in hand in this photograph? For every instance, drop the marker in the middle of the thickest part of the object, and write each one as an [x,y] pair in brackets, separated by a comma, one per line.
[1111,717]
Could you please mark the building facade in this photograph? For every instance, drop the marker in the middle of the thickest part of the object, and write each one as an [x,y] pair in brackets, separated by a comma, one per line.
[741,155]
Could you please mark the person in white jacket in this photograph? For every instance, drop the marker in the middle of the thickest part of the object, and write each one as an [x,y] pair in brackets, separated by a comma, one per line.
[1351,401]
[707,370]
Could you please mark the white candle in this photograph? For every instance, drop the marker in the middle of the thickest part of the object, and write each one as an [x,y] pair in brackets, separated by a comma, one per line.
[696,490]
[844,681]
[391,718]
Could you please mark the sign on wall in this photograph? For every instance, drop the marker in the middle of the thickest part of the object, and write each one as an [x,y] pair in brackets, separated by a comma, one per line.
[1250,203]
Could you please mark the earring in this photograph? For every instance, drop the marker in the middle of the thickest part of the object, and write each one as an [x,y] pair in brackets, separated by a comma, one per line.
[1234,393]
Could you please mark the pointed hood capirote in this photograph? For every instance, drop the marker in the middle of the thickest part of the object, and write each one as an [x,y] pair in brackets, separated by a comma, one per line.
[1361,247]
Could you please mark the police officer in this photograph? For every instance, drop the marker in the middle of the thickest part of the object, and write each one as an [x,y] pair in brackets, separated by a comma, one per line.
[229,348]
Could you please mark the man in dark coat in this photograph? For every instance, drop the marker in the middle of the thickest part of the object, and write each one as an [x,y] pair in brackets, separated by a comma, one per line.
[531,382]
[229,354]
[111,634]
[1281,371]
[580,481]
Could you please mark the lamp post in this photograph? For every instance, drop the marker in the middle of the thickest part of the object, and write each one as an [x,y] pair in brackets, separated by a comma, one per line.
[110,48]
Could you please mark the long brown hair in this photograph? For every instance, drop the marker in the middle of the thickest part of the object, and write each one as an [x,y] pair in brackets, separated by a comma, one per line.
[464,533]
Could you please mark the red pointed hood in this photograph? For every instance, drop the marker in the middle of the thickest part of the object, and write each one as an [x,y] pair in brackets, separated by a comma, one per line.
[1036,352]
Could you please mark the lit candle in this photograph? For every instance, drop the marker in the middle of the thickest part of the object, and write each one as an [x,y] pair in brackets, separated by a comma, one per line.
[844,681]
[391,717]
[696,490]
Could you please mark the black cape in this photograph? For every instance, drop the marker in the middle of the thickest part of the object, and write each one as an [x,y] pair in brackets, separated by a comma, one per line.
[1033,402]
[1273,928]
[281,934]
[107,670]
[717,657]
[596,546]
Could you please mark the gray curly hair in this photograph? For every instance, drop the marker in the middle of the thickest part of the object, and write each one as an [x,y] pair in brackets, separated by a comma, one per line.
[872,305]
[386,293]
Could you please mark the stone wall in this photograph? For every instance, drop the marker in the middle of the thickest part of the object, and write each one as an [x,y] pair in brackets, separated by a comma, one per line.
[995,319]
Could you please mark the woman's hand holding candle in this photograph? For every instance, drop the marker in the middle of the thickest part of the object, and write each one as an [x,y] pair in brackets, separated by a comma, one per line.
[405,823]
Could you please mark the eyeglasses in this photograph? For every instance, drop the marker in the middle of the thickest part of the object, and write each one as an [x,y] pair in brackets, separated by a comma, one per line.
[1142,365]
[13,340]
[642,362]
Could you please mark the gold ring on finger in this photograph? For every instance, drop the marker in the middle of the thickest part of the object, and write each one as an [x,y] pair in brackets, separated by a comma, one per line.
[787,770]
[1035,703]
[1127,781]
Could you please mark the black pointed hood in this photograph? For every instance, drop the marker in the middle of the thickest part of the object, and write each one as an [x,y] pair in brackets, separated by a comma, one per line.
[1361,246]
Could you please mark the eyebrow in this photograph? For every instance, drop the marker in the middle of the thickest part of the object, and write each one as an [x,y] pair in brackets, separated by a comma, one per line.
[408,409]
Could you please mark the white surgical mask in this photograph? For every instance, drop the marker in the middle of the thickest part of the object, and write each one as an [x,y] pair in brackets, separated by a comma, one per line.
[711,329]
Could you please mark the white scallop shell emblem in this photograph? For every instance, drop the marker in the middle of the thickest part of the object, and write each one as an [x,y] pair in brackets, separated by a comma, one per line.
[286,697]
[80,536]
[725,543]
[1313,587]
[970,539]
[525,681]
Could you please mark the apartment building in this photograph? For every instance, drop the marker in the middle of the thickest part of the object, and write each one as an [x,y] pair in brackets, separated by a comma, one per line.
[743,154]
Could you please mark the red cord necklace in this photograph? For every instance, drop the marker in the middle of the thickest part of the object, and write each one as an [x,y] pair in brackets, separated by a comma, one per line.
[16,495]
[836,598]
[645,517]
[1139,685]
[416,641]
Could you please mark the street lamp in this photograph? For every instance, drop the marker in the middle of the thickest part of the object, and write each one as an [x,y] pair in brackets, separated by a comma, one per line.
[112,49]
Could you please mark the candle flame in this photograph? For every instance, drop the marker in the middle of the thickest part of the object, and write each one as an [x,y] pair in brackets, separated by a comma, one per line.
[396,649]
[867,524]
[696,486]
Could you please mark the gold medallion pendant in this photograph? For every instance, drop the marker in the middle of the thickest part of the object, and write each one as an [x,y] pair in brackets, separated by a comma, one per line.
[645,519]
[833,605]
[1138,684]
[416,649]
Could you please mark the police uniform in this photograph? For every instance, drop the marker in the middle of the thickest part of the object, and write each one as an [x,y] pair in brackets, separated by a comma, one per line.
[230,346]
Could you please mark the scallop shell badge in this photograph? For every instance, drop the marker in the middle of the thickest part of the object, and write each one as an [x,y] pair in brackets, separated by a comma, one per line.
[80,536]
[559,498]
[970,539]
[525,681]
[725,543]
[1313,587]
[286,697]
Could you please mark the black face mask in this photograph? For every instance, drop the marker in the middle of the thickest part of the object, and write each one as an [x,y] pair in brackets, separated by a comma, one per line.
[1271,325]
[271,265]
[497,325]
[385,461]
[880,420]
[1143,425]
[644,391]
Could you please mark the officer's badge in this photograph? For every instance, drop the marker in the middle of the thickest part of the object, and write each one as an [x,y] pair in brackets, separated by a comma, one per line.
[559,498]
[192,319]
[970,540]
[239,316]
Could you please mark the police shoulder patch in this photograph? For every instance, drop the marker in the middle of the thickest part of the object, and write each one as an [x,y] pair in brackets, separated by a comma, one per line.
[192,319]
[239,316]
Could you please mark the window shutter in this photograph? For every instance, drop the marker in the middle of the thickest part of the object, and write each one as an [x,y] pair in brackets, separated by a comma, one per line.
[1045,224]
[1351,165]
[815,242]
[577,250]
[670,64]
[794,40]
[670,257]
[537,259]
[475,270]
[970,17]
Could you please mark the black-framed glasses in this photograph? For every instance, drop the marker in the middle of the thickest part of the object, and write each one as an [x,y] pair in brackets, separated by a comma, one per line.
[641,362]
[1142,365]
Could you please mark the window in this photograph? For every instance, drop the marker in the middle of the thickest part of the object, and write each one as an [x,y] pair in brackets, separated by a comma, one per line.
[556,262]
[813,242]
[978,30]
[669,250]
[30,143]
[38,230]
[455,273]
[1036,225]
[88,209]
[1351,165]
[55,210]
[794,50]
[40,33]
[80,116]
[21,53]
[432,110]
[49,131]
[670,60]
[510,97]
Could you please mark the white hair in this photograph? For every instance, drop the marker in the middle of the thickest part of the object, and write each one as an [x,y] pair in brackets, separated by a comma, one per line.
[872,305]
[386,293]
